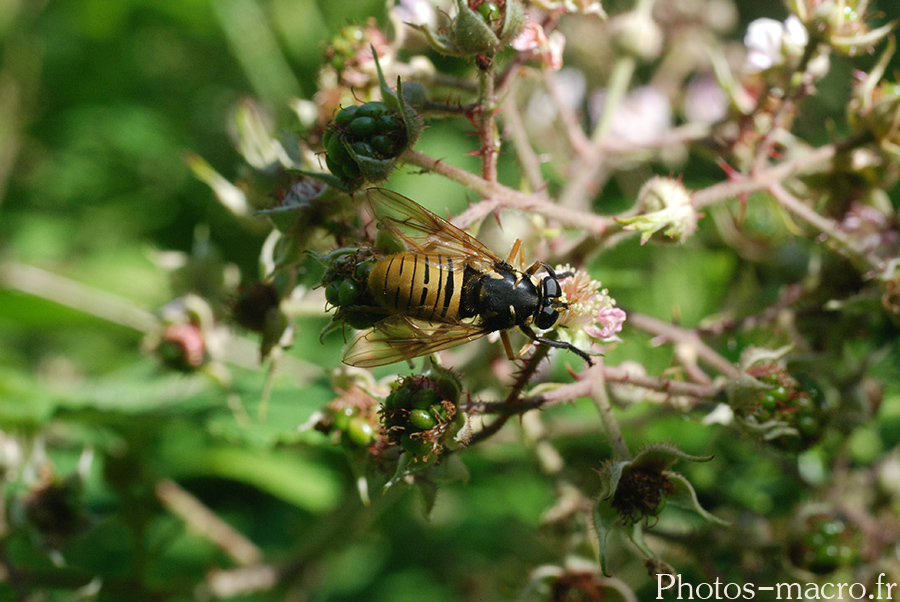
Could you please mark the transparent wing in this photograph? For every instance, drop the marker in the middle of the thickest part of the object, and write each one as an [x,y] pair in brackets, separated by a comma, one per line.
[400,337]
[423,231]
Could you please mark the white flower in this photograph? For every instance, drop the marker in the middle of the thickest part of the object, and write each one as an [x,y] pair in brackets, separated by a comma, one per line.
[643,116]
[585,7]
[417,12]
[770,43]
[705,101]
[795,35]
[541,111]
[592,315]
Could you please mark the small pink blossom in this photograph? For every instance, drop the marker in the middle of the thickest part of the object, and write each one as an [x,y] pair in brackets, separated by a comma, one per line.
[540,47]
[532,37]
[607,323]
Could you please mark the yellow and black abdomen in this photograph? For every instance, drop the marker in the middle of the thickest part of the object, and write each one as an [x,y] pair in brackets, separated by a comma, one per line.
[429,287]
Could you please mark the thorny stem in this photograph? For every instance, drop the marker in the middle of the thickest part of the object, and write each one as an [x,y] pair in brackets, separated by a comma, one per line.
[686,337]
[823,224]
[528,159]
[600,397]
[789,102]
[580,143]
[438,109]
[500,196]
[771,180]
[584,184]
[513,399]
[582,388]
[762,180]
[525,376]
[488,125]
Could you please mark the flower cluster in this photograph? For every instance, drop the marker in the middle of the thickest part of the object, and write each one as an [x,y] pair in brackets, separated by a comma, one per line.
[592,315]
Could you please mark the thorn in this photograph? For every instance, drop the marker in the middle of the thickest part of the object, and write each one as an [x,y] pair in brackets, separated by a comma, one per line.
[496,213]
[733,174]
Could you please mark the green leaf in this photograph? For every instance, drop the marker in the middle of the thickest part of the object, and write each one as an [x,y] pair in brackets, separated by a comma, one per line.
[605,520]
[685,496]
[287,475]
[662,456]
[24,403]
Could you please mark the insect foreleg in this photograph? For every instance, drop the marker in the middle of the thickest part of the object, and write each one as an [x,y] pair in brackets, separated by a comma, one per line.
[534,267]
[558,344]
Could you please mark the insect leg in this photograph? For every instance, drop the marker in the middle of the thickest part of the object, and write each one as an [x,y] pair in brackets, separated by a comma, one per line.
[558,344]
[516,250]
[504,336]
[528,345]
[534,267]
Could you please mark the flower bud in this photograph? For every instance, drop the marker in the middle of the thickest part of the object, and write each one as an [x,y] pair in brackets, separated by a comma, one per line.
[637,34]
[480,28]
[841,24]
[473,31]
[182,347]
[666,206]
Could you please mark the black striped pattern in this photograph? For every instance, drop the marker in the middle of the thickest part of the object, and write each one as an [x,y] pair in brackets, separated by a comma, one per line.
[422,286]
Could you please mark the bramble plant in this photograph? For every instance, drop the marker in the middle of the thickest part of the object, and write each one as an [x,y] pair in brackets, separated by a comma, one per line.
[715,199]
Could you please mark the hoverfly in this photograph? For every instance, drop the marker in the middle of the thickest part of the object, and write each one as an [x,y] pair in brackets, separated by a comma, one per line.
[447,288]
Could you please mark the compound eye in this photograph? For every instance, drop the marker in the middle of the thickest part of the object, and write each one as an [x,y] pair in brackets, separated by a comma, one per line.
[547,317]
[551,287]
